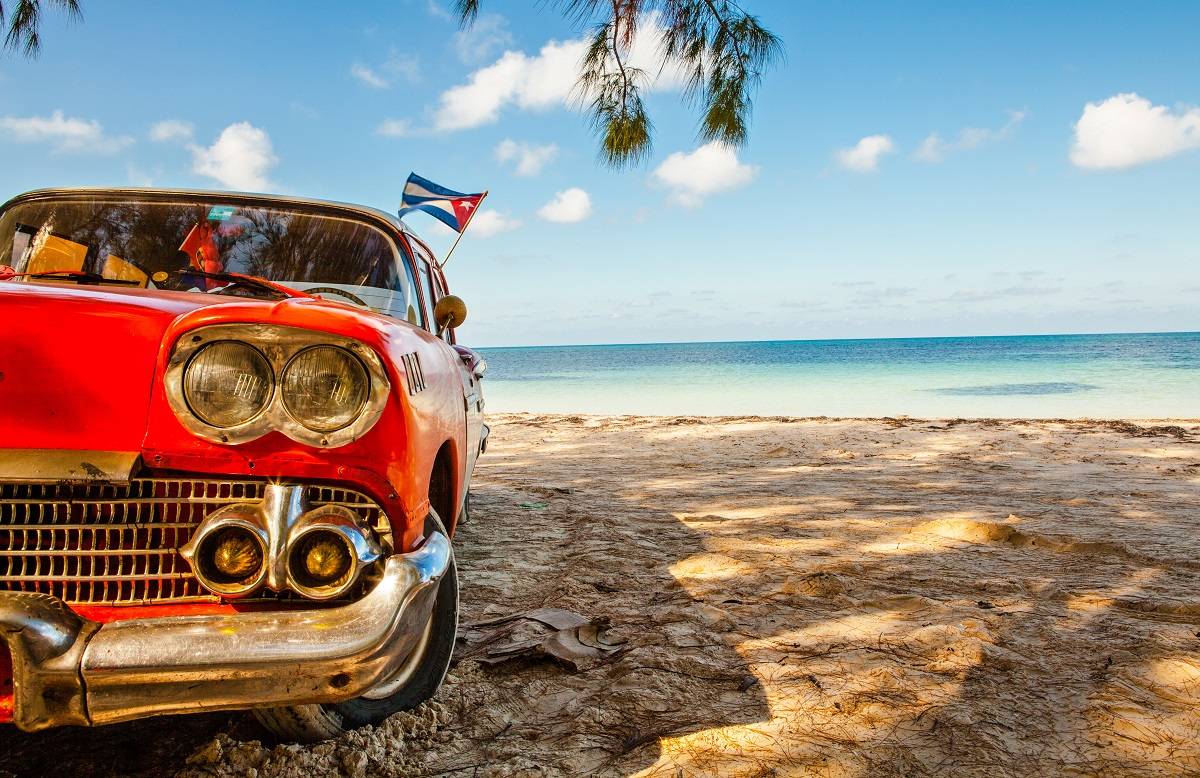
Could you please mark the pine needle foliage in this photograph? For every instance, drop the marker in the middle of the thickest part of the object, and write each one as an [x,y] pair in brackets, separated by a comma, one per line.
[722,50]
[25,20]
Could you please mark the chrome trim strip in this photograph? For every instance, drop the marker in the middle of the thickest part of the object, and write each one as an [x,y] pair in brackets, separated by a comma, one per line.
[278,344]
[99,674]
[24,465]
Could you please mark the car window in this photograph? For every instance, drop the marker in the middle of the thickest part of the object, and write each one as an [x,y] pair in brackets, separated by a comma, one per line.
[439,293]
[174,244]
[423,275]
[425,261]
[412,294]
[431,280]
[435,289]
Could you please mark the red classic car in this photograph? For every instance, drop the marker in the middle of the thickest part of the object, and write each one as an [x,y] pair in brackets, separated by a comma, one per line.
[236,436]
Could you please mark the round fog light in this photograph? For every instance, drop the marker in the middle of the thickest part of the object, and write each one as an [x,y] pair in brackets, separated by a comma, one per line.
[237,555]
[325,557]
[229,556]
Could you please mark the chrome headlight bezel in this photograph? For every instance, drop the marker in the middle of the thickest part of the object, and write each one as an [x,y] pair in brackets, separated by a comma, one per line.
[279,344]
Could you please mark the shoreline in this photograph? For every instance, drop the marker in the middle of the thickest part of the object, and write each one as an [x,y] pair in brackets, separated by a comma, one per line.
[632,344]
[1155,421]
[1076,377]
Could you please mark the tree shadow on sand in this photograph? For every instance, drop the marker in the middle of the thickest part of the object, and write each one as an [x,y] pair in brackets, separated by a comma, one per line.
[1011,600]
[798,597]
[529,544]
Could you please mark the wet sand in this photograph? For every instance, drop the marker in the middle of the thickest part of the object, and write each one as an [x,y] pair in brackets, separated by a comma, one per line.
[796,597]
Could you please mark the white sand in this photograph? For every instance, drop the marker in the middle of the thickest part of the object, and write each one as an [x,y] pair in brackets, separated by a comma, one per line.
[824,597]
[912,597]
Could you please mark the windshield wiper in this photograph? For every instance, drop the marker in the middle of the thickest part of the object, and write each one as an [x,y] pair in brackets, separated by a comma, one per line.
[78,275]
[256,282]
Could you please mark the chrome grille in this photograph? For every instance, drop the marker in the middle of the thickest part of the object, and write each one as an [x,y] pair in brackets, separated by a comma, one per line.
[118,544]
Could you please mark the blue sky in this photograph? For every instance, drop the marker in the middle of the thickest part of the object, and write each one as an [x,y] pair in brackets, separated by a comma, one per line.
[914,169]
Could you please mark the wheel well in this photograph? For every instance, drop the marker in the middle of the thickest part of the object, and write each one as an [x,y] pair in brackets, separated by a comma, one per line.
[441,487]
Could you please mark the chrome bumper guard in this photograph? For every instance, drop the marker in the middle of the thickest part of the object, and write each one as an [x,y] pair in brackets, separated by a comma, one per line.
[69,670]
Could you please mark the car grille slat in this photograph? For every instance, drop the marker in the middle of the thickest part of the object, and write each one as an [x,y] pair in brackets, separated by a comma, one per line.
[118,544]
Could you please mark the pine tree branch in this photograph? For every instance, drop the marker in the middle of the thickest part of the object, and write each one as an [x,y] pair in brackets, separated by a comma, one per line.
[723,50]
[24,29]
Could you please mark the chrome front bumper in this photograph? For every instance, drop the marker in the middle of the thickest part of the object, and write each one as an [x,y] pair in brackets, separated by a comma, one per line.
[68,670]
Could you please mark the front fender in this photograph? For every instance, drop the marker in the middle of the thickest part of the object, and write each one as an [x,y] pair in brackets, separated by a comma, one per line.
[392,461]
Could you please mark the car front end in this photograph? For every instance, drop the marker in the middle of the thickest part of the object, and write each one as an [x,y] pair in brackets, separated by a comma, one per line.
[210,499]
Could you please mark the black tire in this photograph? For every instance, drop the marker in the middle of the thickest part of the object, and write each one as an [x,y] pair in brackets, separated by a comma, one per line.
[324,721]
[465,514]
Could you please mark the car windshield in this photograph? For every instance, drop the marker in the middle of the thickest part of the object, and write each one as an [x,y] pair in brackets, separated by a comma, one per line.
[190,245]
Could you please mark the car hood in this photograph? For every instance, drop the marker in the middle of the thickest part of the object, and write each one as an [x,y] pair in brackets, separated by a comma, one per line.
[78,363]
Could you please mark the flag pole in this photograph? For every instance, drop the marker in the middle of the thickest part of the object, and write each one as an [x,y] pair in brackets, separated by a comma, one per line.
[454,245]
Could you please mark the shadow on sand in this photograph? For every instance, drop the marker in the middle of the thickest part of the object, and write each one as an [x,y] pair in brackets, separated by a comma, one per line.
[529,544]
[852,598]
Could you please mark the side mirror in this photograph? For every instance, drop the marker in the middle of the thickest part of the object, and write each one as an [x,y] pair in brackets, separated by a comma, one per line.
[450,312]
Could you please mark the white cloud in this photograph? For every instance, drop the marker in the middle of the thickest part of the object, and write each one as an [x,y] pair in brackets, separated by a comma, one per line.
[394,128]
[935,149]
[568,206]
[486,36]
[65,133]
[436,10]
[932,149]
[542,81]
[368,76]
[714,167]
[1127,130]
[171,131]
[864,156]
[139,177]
[303,110]
[530,158]
[437,228]
[240,158]
[397,66]
[488,223]
[529,82]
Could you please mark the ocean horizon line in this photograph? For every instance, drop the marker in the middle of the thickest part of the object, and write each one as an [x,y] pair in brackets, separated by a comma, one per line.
[1151,333]
[1102,375]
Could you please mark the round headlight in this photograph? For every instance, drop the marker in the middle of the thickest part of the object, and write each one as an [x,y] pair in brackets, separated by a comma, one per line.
[325,388]
[227,383]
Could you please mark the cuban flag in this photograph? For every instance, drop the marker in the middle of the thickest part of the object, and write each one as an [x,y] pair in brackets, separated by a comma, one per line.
[454,209]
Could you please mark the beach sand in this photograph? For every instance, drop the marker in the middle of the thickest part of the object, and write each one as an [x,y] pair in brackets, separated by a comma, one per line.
[795,597]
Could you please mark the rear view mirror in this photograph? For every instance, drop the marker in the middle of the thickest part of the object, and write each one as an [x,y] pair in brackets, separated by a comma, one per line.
[450,312]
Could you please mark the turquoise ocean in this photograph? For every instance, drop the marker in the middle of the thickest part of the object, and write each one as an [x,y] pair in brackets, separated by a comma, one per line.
[1130,376]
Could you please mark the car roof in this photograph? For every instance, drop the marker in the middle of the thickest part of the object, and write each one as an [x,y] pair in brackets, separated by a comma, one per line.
[350,209]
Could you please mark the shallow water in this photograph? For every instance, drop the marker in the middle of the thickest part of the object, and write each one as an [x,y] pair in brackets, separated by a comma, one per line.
[1035,376]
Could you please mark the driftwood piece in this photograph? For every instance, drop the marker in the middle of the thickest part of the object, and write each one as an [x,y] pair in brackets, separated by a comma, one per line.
[567,637]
